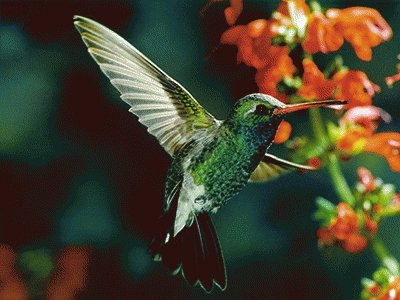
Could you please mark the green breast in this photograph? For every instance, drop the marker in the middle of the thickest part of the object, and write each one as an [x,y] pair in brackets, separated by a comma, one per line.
[223,167]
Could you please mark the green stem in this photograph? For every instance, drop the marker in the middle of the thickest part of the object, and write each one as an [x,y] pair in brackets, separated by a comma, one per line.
[380,250]
[317,124]
[339,181]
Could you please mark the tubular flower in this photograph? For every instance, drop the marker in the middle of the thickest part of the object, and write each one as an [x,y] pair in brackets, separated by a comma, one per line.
[343,230]
[357,127]
[291,15]
[321,35]
[283,133]
[385,288]
[366,179]
[254,43]
[70,277]
[281,66]
[366,116]
[355,87]
[346,222]
[390,80]
[11,284]
[233,12]
[314,86]
[362,27]
[386,144]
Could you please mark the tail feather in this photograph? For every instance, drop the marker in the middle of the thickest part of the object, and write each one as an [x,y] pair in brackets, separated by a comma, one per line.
[195,251]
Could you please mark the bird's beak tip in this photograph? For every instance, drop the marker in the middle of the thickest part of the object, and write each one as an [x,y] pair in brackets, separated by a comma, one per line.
[289,108]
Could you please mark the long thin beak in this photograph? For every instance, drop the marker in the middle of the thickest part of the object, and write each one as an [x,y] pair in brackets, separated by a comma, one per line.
[289,108]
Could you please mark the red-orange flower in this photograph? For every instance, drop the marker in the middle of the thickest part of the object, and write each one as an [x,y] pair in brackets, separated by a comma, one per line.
[283,133]
[368,117]
[254,43]
[321,35]
[346,222]
[355,87]
[390,80]
[392,292]
[325,236]
[359,123]
[233,12]
[314,162]
[386,144]
[267,78]
[366,179]
[71,274]
[314,86]
[11,284]
[362,27]
[370,224]
[344,230]
[299,5]
[354,243]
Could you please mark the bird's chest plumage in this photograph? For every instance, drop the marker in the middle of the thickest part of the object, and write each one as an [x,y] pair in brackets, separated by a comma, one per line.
[220,171]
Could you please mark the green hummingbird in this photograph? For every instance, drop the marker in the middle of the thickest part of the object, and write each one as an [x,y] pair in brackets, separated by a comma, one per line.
[212,159]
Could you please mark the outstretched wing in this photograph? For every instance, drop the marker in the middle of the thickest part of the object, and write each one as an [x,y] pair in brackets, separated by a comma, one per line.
[272,166]
[171,114]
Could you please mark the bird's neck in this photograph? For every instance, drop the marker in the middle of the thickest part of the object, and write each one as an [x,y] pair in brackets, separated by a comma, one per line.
[252,139]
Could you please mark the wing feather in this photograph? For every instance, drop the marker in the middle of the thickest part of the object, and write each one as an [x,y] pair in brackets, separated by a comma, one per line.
[271,167]
[169,111]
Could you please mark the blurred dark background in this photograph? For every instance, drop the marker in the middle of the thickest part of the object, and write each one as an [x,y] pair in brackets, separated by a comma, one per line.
[76,168]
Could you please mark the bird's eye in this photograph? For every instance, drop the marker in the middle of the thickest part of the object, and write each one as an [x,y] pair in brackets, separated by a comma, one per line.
[261,109]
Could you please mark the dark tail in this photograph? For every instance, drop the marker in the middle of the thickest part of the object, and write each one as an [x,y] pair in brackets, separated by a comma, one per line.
[195,251]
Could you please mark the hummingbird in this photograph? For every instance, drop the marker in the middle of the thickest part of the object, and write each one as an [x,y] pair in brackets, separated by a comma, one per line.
[212,160]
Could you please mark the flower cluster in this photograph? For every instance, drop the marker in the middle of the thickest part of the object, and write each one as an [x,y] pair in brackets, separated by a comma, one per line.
[356,133]
[281,51]
[267,45]
[390,80]
[363,27]
[69,274]
[350,226]
[343,228]
[385,282]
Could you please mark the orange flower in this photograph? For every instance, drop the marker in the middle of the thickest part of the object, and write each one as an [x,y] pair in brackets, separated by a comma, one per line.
[314,162]
[321,35]
[325,236]
[362,27]
[11,284]
[233,12]
[370,224]
[71,274]
[394,78]
[386,144]
[254,43]
[366,179]
[314,86]
[291,20]
[355,87]
[354,243]
[298,5]
[359,123]
[344,230]
[392,291]
[346,222]
[366,116]
[280,65]
[283,133]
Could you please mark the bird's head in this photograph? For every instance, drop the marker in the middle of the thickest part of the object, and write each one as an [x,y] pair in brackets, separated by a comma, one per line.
[264,112]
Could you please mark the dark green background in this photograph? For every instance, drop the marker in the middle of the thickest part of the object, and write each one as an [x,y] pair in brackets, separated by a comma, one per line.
[76,168]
